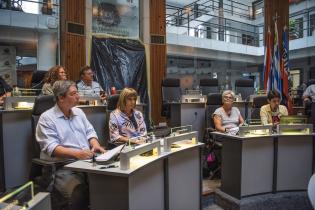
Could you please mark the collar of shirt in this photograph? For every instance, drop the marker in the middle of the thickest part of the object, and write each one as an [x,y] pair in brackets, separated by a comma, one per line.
[59,113]
[86,85]
[124,115]
[268,109]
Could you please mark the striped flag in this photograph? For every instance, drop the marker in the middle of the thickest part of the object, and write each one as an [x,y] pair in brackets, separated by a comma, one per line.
[285,71]
[267,63]
[276,83]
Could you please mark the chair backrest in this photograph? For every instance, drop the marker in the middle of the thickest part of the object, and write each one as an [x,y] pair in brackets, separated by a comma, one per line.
[209,86]
[41,104]
[111,105]
[311,82]
[171,90]
[112,102]
[258,101]
[245,87]
[38,78]
[214,101]
[311,190]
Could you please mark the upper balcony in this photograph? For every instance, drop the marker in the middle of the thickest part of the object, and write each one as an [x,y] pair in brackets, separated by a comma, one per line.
[27,14]
[204,27]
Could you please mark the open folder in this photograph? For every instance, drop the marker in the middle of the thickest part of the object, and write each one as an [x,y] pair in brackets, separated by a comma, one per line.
[110,154]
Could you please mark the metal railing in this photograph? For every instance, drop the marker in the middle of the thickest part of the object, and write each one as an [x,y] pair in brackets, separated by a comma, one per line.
[215,28]
[46,7]
[207,6]
[188,22]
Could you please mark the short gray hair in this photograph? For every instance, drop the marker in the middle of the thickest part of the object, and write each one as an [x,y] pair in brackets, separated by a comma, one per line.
[227,92]
[61,87]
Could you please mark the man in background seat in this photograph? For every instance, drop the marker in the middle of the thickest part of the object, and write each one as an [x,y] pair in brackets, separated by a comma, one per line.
[88,87]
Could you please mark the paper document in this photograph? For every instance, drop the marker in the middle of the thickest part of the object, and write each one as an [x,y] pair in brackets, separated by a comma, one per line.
[109,154]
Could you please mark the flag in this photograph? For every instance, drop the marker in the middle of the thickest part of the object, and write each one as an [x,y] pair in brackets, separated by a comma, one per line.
[285,71]
[267,62]
[276,83]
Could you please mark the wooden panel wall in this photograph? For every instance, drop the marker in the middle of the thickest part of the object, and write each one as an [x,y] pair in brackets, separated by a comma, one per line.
[279,9]
[157,58]
[72,46]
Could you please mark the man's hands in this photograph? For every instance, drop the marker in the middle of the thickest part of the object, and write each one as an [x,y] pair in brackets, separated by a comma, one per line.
[98,148]
[95,146]
[83,154]
[87,154]
[306,99]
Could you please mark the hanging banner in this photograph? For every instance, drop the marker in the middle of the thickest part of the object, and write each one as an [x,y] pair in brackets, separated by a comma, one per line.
[120,63]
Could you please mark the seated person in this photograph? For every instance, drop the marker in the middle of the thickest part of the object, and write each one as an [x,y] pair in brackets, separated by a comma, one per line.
[227,117]
[308,98]
[55,73]
[126,122]
[5,90]
[64,132]
[309,93]
[87,86]
[272,112]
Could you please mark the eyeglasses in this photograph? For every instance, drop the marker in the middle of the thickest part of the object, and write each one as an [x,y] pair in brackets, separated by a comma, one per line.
[228,97]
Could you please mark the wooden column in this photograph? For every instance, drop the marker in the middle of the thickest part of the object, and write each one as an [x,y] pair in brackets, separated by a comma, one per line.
[276,9]
[72,44]
[157,57]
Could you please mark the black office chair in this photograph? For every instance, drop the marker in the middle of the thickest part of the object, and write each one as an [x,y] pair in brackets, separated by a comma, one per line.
[112,101]
[258,102]
[209,86]
[38,79]
[310,82]
[212,149]
[170,93]
[214,101]
[43,103]
[245,87]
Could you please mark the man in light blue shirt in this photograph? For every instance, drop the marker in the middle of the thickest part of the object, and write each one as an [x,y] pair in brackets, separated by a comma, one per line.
[88,87]
[64,132]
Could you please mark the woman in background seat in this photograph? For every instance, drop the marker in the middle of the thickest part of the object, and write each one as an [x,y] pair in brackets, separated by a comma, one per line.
[272,112]
[55,73]
[226,118]
[125,121]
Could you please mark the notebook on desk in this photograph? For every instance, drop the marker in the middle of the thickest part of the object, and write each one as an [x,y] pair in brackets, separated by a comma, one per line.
[110,154]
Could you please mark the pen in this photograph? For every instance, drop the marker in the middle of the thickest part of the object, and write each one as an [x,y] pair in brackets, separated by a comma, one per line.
[93,160]
[109,166]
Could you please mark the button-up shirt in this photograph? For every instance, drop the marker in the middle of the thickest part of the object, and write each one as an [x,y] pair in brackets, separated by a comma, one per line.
[87,90]
[54,129]
[310,92]
[121,125]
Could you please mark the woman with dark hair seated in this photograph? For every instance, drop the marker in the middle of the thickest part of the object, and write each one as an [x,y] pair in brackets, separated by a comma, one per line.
[126,122]
[272,112]
[227,118]
[55,73]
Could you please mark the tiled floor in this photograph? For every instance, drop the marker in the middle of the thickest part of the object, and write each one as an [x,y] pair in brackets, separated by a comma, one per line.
[208,188]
